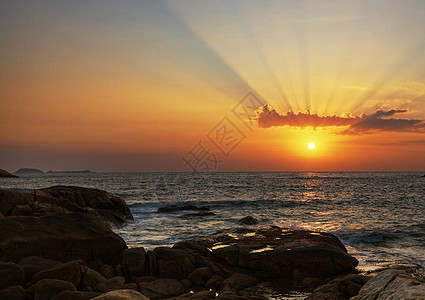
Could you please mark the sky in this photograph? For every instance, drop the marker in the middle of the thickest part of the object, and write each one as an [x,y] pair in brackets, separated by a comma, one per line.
[212,86]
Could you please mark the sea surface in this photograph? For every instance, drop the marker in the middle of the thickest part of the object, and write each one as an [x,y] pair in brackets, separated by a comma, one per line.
[380,217]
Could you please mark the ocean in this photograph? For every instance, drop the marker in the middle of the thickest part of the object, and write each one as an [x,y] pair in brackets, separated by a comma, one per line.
[378,216]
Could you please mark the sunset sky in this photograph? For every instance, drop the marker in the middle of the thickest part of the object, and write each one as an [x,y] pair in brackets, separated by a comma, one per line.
[147,85]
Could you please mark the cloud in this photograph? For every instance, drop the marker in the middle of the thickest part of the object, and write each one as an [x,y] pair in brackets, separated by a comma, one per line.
[381,120]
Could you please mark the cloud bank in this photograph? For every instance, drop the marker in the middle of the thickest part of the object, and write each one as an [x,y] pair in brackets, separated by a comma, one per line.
[381,120]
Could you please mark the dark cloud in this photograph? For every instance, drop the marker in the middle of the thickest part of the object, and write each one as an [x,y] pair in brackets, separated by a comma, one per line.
[379,121]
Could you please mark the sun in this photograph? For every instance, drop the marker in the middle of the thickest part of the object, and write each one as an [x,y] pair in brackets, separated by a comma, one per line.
[311,146]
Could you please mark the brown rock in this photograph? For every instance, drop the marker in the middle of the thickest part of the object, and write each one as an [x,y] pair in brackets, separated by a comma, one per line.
[133,261]
[60,236]
[71,295]
[11,274]
[214,282]
[239,281]
[107,271]
[68,272]
[21,210]
[202,295]
[47,288]
[200,276]
[248,220]
[90,278]
[161,288]
[173,263]
[121,295]
[15,292]
[34,264]
[114,283]
[187,284]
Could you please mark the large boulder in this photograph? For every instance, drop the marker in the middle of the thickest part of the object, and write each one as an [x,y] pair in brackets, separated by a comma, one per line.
[59,237]
[133,261]
[68,272]
[278,252]
[161,288]
[173,263]
[34,264]
[65,199]
[393,284]
[11,274]
[15,292]
[47,288]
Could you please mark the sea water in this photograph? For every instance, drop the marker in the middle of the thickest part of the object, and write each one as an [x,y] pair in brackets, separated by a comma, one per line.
[380,217]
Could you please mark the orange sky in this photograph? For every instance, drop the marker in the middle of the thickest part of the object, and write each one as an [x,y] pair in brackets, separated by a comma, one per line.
[135,87]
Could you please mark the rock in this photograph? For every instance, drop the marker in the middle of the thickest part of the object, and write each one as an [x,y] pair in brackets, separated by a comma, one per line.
[133,261]
[107,271]
[15,292]
[393,284]
[65,199]
[71,295]
[21,210]
[4,173]
[214,282]
[47,288]
[114,283]
[200,276]
[202,295]
[68,272]
[173,208]
[275,251]
[34,264]
[239,281]
[343,287]
[61,236]
[173,263]
[248,220]
[121,295]
[187,284]
[90,278]
[29,171]
[11,274]
[161,288]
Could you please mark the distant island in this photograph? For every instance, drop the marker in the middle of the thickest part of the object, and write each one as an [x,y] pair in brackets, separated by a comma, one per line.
[57,172]
[4,173]
[28,171]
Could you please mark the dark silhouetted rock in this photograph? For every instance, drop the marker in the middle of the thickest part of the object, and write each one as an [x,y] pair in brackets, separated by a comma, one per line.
[107,271]
[65,199]
[239,281]
[161,288]
[11,274]
[275,251]
[4,173]
[90,278]
[60,236]
[34,264]
[47,288]
[121,295]
[68,272]
[133,261]
[29,171]
[173,263]
[72,295]
[114,283]
[248,220]
[200,276]
[173,208]
[15,292]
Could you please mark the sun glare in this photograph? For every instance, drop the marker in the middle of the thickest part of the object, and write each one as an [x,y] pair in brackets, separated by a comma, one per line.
[311,146]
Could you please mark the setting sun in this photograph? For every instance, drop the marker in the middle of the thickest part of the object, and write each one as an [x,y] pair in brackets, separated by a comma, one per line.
[311,146]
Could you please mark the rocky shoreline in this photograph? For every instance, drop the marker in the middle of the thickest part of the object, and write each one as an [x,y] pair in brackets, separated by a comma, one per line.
[56,243]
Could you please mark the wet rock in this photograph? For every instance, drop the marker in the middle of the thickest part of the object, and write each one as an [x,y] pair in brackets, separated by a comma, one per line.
[248,220]
[90,278]
[11,274]
[61,236]
[393,284]
[64,199]
[47,288]
[161,288]
[133,261]
[15,292]
[173,208]
[173,263]
[275,251]
[68,272]
[200,276]
[71,295]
